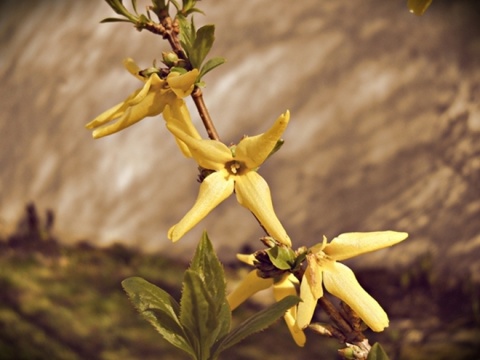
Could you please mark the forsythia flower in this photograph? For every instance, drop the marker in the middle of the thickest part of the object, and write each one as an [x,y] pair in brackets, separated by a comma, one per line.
[151,100]
[234,170]
[339,280]
[282,288]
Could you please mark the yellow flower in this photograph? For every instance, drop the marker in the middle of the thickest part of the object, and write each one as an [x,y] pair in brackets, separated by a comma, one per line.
[339,280]
[282,288]
[234,169]
[150,100]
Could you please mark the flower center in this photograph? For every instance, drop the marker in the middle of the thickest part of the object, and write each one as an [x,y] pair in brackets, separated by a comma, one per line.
[235,167]
[321,258]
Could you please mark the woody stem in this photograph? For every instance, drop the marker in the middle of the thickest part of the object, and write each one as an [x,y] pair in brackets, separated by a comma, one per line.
[333,313]
[197,97]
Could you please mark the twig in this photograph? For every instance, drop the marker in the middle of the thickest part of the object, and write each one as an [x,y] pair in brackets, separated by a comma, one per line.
[197,97]
[351,335]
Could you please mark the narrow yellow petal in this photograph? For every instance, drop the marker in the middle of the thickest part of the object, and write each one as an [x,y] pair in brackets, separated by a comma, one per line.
[253,193]
[150,106]
[341,282]
[182,85]
[209,154]
[140,95]
[133,68]
[247,259]
[255,149]
[107,116]
[349,245]
[314,276]
[177,113]
[250,285]
[213,190]
[282,289]
[297,333]
[310,291]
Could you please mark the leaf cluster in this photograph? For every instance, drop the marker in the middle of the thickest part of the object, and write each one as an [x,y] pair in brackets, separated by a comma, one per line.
[200,323]
[284,258]
[197,44]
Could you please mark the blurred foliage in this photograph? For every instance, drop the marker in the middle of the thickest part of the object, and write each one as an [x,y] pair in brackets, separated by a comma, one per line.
[69,304]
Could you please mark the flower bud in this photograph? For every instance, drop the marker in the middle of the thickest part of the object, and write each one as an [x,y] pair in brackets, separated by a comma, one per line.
[169,58]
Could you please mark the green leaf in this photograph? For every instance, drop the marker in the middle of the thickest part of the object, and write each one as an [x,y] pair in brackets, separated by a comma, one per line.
[206,263]
[377,353]
[198,313]
[188,6]
[187,34]
[256,323]
[159,309]
[201,47]
[160,5]
[110,20]
[210,65]
[418,7]
[134,5]
[118,7]
[176,4]
[281,257]
[204,288]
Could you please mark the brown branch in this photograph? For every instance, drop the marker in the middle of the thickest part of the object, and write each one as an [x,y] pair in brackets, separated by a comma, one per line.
[197,97]
[351,335]
[169,30]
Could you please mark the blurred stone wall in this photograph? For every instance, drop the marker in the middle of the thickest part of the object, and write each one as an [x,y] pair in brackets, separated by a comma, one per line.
[384,133]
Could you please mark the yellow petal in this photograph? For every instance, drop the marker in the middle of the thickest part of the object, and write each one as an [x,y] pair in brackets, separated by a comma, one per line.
[352,244]
[107,116]
[209,154]
[150,106]
[253,193]
[250,285]
[310,291]
[282,289]
[177,113]
[255,149]
[213,190]
[182,85]
[341,282]
[157,86]
[247,259]
[297,333]
[133,68]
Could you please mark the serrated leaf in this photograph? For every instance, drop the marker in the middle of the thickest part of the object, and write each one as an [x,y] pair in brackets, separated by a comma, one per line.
[203,43]
[377,353]
[198,313]
[205,263]
[256,323]
[282,258]
[418,7]
[159,309]
[210,65]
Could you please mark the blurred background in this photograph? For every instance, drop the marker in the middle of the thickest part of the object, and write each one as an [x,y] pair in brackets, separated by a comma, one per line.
[384,134]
